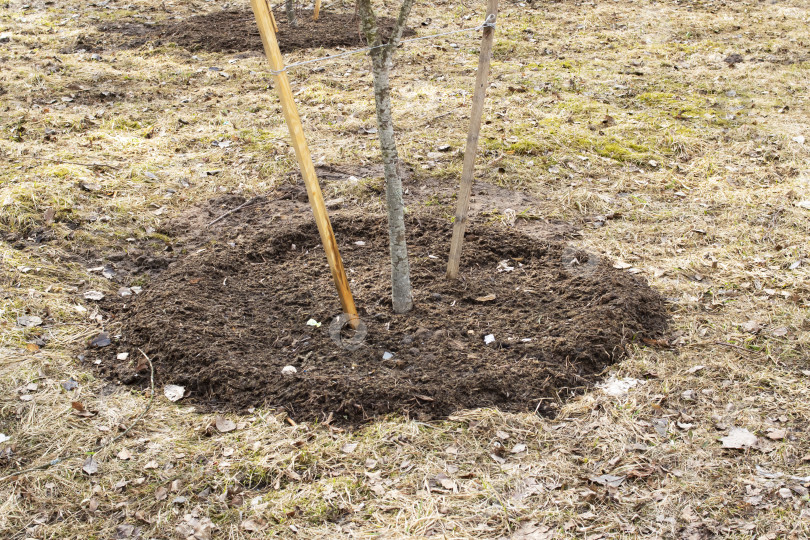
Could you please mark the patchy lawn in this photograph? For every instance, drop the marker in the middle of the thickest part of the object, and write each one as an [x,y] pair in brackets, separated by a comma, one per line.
[673,136]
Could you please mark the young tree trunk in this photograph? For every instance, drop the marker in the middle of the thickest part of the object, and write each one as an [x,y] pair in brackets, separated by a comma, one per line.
[400,267]
[381,67]
[289,7]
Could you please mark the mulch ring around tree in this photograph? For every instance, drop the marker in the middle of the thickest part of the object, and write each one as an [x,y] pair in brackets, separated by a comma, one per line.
[234,31]
[527,325]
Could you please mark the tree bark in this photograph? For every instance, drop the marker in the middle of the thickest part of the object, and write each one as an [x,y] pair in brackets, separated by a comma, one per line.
[289,7]
[381,67]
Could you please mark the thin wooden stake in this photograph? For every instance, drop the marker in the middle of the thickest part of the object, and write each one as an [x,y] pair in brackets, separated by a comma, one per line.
[463,205]
[264,19]
[317,10]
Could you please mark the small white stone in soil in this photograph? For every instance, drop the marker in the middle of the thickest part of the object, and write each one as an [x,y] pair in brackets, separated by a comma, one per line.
[489,338]
[289,370]
[387,356]
[122,355]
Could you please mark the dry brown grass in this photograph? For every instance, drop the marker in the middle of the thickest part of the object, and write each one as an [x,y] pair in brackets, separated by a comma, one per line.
[712,223]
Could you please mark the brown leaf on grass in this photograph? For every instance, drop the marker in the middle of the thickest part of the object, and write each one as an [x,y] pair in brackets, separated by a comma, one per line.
[192,528]
[348,448]
[124,454]
[80,409]
[608,480]
[780,331]
[738,439]
[32,347]
[533,531]
[447,483]
[90,465]
[775,434]
[642,472]
[161,493]
[224,425]
[752,327]
[89,186]
[253,525]
[139,515]
[124,530]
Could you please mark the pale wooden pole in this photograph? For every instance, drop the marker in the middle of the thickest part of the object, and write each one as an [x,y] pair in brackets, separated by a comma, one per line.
[463,203]
[317,10]
[264,18]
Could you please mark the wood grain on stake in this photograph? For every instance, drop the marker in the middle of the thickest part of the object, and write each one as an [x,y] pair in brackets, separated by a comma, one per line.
[317,12]
[460,224]
[264,18]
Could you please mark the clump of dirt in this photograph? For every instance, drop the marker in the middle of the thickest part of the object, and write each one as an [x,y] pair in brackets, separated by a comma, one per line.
[528,324]
[235,31]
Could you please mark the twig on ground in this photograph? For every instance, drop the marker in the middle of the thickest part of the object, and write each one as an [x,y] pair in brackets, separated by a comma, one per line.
[496,160]
[254,200]
[94,165]
[437,117]
[723,343]
[100,447]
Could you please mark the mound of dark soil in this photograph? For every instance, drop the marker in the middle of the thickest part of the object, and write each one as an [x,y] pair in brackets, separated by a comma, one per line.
[225,320]
[235,31]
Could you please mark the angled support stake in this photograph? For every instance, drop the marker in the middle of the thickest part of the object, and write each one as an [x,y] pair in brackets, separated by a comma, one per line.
[264,18]
[463,204]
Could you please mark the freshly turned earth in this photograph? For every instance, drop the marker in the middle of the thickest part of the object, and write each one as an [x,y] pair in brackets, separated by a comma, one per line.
[235,31]
[225,321]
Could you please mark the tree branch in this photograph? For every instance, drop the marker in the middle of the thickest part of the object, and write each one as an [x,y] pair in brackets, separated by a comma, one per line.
[370,29]
[399,27]
[368,21]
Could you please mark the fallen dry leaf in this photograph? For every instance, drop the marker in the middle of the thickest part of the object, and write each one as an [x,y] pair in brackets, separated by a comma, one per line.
[161,493]
[348,448]
[253,525]
[739,438]
[752,327]
[90,465]
[224,425]
[608,480]
[776,434]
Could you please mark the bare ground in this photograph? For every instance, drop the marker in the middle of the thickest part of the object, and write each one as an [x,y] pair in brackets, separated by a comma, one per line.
[671,134]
